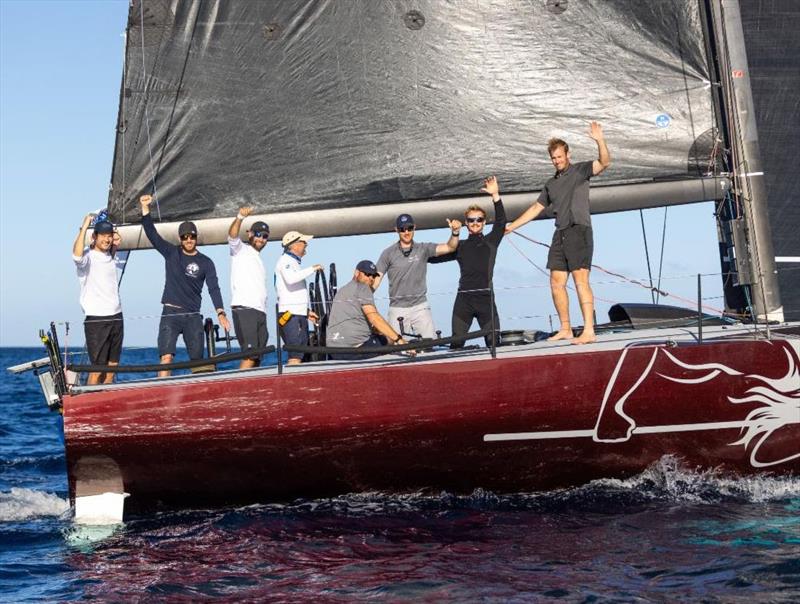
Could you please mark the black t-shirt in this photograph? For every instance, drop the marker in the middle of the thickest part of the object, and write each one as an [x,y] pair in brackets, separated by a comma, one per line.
[567,195]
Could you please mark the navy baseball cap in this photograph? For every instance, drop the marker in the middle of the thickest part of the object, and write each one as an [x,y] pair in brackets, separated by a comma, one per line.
[404,220]
[259,227]
[103,227]
[187,228]
[367,267]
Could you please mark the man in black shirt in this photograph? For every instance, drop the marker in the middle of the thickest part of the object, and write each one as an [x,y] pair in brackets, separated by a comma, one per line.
[476,256]
[186,271]
[567,194]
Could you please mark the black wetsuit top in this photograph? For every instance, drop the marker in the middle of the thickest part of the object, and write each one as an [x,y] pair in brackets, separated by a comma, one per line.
[476,255]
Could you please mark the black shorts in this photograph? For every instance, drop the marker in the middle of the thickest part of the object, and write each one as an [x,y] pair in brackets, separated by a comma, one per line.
[175,322]
[572,248]
[295,333]
[250,326]
[104,338]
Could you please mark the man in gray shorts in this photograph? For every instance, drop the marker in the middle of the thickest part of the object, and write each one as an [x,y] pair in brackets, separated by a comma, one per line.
[406,265]
[567,194]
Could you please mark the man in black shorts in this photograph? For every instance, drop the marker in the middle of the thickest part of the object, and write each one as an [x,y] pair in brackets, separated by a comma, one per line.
[97,272]
[567,194]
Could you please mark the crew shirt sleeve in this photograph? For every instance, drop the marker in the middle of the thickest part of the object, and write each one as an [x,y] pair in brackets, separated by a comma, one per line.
[82,262]
[544,197]
[364,294]
[235,245]
[164,248]
[213,284]
[291,273]
[383,262]
[429,250]
[499,227]
[585,169]
[443,258]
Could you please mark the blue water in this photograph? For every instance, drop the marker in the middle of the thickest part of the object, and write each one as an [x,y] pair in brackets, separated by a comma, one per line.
[667,535]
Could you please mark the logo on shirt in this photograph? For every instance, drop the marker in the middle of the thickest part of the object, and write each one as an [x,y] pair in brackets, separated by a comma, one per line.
[192,270]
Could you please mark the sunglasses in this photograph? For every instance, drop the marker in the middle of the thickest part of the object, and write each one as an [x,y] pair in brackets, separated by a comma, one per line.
[188,236]
[478,219]
[262,234]
[409,229]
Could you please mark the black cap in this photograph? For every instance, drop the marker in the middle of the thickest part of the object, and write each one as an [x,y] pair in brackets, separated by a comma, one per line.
[187,228]
[259,226]
[103,227]
[404,220]
[367,267]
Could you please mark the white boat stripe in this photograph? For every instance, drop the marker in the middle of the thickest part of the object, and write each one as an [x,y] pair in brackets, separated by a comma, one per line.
[787,258]
[637,430]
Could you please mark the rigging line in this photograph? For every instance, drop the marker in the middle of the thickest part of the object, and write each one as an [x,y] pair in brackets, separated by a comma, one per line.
[661,259]
[146,115]
[647,257]
[633,281]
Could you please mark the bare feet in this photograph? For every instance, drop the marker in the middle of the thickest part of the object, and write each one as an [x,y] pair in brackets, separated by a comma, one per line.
[561,334]
[585,338]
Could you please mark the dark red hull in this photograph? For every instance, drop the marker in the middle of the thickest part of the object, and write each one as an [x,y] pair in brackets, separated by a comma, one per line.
[443,423]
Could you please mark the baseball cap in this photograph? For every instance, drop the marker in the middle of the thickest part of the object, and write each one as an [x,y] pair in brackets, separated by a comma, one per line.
[367,267]
[292,236]
[404,220]
[103,227]
[259,226]
[186,228]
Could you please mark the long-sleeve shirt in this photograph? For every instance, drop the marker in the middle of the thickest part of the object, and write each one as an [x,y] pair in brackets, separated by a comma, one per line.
[290,284]
[477,253]
[185,274]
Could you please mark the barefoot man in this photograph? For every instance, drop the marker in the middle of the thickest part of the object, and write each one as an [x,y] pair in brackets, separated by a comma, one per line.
[572,247]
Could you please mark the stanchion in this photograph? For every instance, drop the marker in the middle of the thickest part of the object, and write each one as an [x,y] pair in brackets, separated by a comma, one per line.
[278,348]
[699,309]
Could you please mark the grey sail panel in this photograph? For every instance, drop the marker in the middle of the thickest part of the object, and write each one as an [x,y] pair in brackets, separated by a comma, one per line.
[298,105]
[773,53]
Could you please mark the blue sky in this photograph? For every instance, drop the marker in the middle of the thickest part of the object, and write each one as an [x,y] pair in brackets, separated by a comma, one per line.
[60,69]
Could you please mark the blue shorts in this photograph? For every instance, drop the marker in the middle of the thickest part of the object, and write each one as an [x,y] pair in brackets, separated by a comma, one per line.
[175,322]
[295,333]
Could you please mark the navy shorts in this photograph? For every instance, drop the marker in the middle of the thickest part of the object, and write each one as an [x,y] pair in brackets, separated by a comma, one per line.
[176,322]
[371,342]
[295,333]
[103,338]
[250,326]
[572,248]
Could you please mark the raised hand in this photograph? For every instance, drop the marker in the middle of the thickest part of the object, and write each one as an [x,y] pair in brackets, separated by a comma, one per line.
[145,200]
[491,187]
[245,211]
[596,131]
[455,225]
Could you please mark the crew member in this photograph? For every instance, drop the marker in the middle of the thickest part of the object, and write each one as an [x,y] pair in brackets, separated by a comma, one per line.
[567,193]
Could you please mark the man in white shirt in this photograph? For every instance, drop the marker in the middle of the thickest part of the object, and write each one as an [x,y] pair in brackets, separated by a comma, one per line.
[97,273]
[290,285]
[249,286]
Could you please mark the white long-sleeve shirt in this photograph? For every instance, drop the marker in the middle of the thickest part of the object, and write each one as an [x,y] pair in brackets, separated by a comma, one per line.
[248,276]
[290,285]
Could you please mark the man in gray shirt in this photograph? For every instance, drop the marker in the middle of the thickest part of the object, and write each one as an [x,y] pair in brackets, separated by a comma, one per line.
[567,195]
[354,317]
[406,265]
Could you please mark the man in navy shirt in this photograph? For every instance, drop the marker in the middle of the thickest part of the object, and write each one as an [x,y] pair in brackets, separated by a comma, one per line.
[567,194]
[186,271]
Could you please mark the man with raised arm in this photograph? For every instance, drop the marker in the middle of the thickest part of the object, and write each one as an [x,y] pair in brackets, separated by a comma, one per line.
[294,311]
[97,273]
[355,321]
[405,263]
[248,286]
[476,256]
[186,270]
[567,194]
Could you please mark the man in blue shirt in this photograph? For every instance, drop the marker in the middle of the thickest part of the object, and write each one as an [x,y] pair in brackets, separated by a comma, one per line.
[186,271]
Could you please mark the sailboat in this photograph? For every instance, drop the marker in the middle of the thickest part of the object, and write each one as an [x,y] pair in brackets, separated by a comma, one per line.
[327,117]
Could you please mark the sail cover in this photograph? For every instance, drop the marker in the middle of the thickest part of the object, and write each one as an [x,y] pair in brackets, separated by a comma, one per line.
[300,104]
[773,54]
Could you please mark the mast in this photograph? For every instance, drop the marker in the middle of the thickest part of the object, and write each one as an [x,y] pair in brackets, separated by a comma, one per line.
[749,227]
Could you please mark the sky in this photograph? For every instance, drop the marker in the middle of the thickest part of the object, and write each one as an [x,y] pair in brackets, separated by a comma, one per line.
[60,70]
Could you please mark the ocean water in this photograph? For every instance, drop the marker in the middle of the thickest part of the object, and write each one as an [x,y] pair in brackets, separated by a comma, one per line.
[667,535]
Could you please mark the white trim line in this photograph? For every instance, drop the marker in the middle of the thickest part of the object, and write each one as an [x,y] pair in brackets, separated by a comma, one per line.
[787,258]
[637,430]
